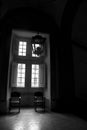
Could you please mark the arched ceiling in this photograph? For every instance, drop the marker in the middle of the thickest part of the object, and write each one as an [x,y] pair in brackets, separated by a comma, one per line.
[52,7]
[64,12]
[9,4]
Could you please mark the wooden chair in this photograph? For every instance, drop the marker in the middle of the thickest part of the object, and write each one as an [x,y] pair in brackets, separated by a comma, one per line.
[39,101]
[14,101]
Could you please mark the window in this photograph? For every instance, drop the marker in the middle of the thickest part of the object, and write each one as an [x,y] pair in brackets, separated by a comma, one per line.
[21,75]
[38,75]
[35,76]
[26,54]
[22,48]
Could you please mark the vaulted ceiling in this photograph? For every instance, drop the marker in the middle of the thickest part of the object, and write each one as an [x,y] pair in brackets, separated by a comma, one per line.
[52,7]
[69,15]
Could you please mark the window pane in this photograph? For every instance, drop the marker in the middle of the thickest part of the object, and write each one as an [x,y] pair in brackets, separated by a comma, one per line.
[20,54]
[20,43]
[23,65]
[23,70]
[24,51]
[23,54]
[18,80]
[35,85]
[32,80]
[35,66]
[22,80]
[35,76]
[33,71]
[22,48]
[20,84]
[21,75]
[24,43]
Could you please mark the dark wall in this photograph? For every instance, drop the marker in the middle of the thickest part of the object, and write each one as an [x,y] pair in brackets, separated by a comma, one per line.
[4,62]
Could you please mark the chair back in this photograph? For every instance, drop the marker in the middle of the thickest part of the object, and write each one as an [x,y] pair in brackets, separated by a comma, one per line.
[38,94]
[15,94]
[39,101]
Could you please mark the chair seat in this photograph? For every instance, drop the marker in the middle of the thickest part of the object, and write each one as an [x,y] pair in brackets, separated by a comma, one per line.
[39,101]
[15,101]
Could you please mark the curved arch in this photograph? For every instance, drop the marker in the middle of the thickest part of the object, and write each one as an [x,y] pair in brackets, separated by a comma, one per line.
[28,18]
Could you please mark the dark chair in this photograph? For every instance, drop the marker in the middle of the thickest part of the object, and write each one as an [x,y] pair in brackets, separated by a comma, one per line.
[14,101]
[39,101]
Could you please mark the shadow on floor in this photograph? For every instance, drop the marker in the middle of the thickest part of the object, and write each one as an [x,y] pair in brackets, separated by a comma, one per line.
[76,107]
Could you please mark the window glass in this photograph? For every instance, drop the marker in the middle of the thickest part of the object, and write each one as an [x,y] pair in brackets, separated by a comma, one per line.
[35,76]
[21,75]
[22,48]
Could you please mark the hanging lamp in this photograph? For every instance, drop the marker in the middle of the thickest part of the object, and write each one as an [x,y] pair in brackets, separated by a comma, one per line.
[38,43]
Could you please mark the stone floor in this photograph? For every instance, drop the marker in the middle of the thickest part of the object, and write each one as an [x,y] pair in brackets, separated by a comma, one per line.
[28,119]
